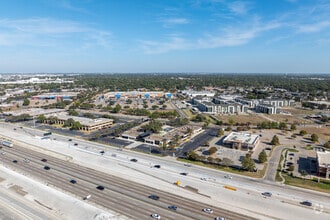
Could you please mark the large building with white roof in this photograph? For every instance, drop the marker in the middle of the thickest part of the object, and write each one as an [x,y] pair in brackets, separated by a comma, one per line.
[242,141]
[323,162]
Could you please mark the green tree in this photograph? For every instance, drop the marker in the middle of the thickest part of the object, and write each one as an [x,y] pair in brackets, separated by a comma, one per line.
[192,155]
[275,141]
[69,122]
[212,150]
[73,112]
[327,145]
[116,109]
[303,132]
[76,125]
[314,138]
[41,118]
[220,132]
[226,162]
[282,126]
[262,157]
[26,102]
[291,168]
[293,127]
[248,164]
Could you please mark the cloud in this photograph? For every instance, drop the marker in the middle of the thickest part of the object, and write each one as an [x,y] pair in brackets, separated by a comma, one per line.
[226,38]
[174,21]
[239,7]
[48,32]
[157,47]
[312,28]
[41,26]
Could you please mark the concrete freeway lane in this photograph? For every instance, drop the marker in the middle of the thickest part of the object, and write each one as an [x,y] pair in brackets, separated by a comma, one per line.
[125,197]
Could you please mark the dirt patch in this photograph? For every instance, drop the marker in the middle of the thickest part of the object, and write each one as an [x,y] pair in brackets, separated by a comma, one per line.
[18,189]
[251,119]
[322,132]
[299,111]
[291,119]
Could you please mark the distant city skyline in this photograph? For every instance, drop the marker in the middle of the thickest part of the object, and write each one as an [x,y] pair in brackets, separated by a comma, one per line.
[143,36]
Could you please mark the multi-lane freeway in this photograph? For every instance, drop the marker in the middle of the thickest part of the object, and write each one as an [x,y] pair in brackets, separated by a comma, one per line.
[126,197]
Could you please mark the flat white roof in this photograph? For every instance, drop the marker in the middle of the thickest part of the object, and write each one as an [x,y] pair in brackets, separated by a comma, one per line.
[82,120]
[247,138]
[323,158]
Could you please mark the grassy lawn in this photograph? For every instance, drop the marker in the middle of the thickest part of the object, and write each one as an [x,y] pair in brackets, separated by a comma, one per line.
[258,174]
[278,178]
[323,186]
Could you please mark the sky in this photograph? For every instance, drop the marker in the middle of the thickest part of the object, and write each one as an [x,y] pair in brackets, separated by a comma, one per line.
[160,36]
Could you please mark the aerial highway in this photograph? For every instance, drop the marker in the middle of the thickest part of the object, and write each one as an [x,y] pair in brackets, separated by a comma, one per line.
[126,197]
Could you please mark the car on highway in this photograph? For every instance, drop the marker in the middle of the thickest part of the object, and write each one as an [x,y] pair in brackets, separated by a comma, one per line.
[184,174]
[26,160]
[46,167]
[203,178]
[228,176]
[306,203]
[154,197]
[219,218]
[134,160]
[157,166]
[75,144]
[86,197]
[155,216]
[14,161]
[187,165]
[102,152]
[70,140]
[99,187]
[268,194]
[73,181]
[207,210]
[172,207]
[44,160]
[3,153]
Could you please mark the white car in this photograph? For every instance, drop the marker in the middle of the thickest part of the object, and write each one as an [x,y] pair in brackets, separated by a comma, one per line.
[228,176]
[155,216]
[208,210]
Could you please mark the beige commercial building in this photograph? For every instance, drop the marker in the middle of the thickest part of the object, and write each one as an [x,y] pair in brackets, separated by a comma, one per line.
[242,141]
[323,162]
[88,124]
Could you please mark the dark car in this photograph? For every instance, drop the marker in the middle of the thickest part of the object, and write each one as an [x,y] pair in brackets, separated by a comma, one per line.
[154,197]
[46,167]
[75,144]
[100,187]
[306,203]
[157,166]
[14,161]
[173,207]
[73,181]
[184,174]
[44,160]
[102,152]
[268,194]
[70,140]
[134,160]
